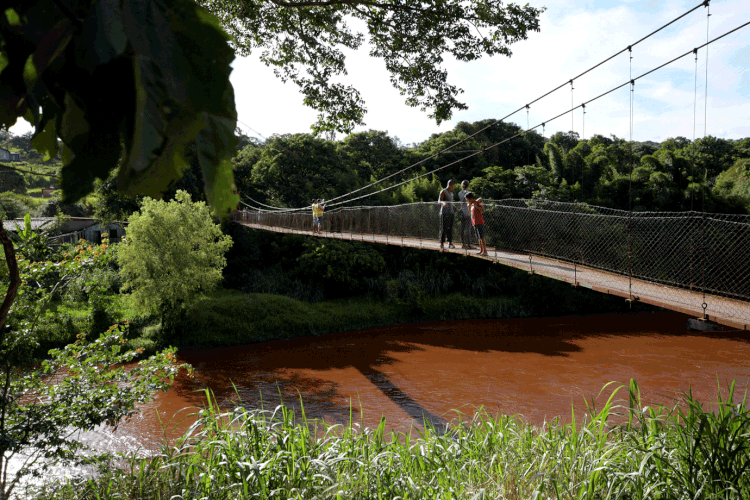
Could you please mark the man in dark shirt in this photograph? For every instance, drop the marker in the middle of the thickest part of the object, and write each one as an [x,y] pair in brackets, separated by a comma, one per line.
[447,213]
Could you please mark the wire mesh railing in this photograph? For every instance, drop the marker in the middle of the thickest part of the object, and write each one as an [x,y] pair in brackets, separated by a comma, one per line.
[693,251]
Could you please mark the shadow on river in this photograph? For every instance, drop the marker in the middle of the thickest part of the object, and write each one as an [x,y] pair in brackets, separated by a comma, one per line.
[535,367]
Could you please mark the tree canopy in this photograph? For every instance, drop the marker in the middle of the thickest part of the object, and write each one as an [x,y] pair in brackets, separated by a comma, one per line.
[303,41]
[173,253]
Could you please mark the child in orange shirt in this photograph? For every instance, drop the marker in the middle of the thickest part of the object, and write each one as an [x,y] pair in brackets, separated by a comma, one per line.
[477,220]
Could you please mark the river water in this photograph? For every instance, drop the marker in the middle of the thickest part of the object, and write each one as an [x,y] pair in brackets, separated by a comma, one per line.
[534,367]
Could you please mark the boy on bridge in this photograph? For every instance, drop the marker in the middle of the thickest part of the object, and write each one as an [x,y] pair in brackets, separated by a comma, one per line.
[477,220]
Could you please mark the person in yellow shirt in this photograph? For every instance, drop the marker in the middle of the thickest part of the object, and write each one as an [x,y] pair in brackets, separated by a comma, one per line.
[317,208]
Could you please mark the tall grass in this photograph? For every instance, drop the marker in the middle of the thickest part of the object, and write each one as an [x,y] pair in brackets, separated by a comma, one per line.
[622,451]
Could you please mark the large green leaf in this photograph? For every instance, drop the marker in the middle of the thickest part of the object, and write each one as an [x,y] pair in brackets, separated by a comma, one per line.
[215,137]
[49,48]
[156,153]
[147,75]
[103,35]
[45,140]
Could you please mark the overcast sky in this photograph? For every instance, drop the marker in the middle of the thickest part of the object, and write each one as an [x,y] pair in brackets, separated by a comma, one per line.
[572,38]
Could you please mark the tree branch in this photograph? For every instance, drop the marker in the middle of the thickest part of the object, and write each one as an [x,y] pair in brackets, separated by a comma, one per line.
[326,3]
[10,167]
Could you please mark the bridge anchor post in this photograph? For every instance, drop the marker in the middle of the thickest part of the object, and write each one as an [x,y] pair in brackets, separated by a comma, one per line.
[703,325]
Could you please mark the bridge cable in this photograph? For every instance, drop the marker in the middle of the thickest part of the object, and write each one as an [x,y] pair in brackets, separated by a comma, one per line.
[528,127]
[543,124]
[517,110]
[270,207]
[583,138]
[572,130]
[695,107]
[630,185]
[705,173]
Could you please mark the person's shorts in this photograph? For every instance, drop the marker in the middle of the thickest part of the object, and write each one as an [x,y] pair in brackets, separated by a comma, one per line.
[479,228]
[316,221]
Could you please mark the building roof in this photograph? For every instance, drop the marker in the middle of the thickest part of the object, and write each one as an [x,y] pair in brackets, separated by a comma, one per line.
[37,223]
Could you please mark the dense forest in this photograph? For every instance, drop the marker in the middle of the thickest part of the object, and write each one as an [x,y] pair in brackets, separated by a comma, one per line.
[290,170]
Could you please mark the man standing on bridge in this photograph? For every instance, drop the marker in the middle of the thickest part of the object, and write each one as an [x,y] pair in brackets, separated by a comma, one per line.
[465,216]
[446,215]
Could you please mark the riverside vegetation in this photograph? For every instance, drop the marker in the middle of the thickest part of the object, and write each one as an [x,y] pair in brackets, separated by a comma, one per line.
[623,450]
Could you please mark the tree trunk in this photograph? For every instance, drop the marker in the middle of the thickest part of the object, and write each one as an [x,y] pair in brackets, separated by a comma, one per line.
[15,280]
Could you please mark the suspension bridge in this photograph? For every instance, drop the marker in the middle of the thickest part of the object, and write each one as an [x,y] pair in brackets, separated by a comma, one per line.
[693,262]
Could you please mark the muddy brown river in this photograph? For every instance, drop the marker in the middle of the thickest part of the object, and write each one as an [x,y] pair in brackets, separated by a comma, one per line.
[535,368]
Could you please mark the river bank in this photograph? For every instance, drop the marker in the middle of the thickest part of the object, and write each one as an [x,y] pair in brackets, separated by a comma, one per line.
[228,317]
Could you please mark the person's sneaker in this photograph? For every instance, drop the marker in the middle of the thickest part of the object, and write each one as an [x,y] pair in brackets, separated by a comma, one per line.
[451,245]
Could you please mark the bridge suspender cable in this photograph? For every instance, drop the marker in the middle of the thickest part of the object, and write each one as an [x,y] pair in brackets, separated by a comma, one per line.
[630,182]
[526,106]
[705,175]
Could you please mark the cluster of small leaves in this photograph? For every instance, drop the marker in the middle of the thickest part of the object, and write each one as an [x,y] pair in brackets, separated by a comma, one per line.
[303,40]
[84,385]
[173,253]
[118,82]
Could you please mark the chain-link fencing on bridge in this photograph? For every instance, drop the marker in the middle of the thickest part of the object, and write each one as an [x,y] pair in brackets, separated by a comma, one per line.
[699,252]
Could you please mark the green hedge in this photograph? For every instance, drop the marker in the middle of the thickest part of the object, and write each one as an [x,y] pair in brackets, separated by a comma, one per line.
[234,318]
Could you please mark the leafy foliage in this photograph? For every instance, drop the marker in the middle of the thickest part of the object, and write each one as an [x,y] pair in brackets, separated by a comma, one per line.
[339,264]
[296,168]
[144,88]
[172,254]
[33,245]
[621,450]
[10,180]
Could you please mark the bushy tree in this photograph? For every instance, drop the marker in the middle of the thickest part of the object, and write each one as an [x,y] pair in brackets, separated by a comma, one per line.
[734,184]
[173,253]
[341,266]
[296,168]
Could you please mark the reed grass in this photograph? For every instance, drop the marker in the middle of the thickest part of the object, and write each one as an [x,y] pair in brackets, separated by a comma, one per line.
[624,450]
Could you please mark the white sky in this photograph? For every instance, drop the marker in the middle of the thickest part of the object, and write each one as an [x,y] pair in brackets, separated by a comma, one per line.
[572,38]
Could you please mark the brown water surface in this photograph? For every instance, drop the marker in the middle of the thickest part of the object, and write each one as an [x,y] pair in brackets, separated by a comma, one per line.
[533,367]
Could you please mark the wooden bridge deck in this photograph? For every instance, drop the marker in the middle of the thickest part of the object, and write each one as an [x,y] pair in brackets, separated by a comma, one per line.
[729,312]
